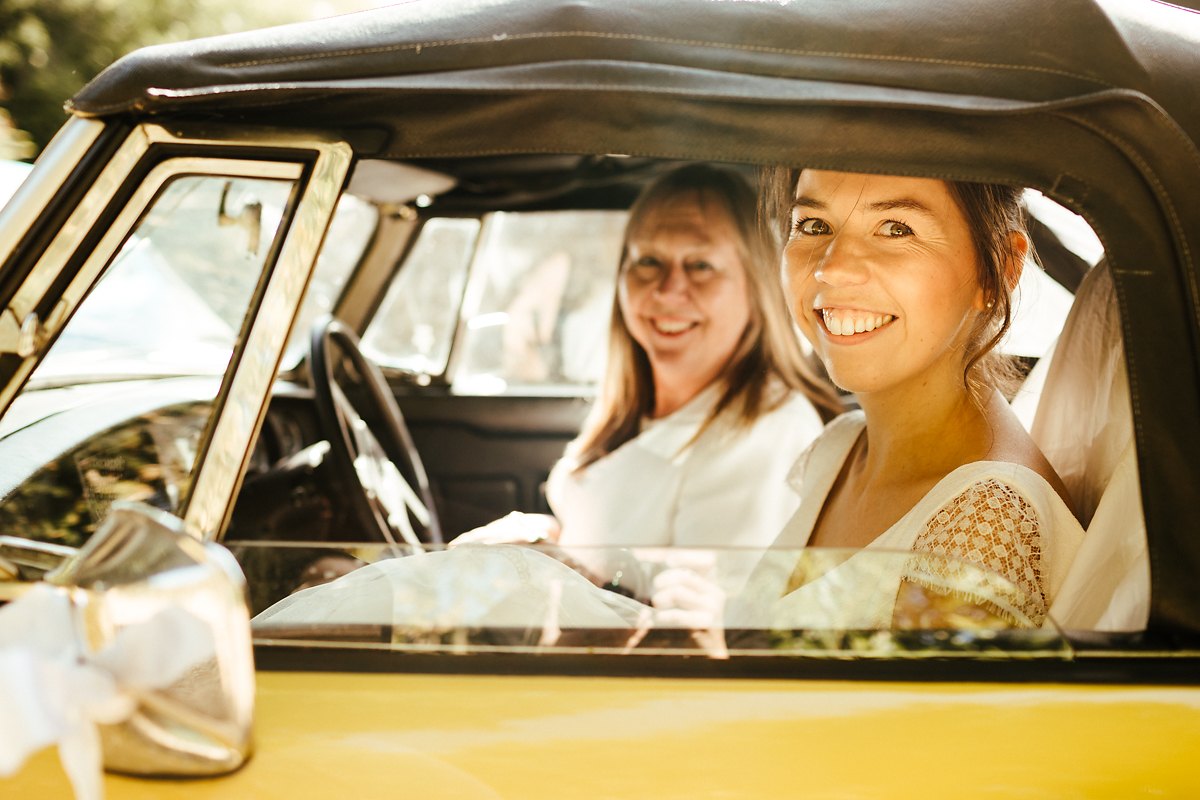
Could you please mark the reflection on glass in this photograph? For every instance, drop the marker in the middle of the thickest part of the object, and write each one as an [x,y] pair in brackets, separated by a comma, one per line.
[148,459]
[174,297]
[637,600]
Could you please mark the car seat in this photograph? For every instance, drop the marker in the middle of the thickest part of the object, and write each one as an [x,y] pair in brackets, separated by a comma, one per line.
[1083,422]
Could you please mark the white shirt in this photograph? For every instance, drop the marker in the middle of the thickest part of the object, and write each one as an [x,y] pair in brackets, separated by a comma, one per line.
[727,489]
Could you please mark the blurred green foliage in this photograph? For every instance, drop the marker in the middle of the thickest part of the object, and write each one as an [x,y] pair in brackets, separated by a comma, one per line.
[51,48]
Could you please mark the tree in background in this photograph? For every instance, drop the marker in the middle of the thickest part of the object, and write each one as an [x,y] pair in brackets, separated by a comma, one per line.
[51,48]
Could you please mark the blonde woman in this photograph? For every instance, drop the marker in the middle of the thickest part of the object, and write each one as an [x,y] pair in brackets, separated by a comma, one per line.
[707,398]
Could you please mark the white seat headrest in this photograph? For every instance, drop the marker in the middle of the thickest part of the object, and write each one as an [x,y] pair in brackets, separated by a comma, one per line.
[1083,421]
[1084,425]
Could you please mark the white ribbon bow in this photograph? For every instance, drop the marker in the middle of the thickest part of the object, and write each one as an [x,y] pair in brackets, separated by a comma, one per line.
[52,690]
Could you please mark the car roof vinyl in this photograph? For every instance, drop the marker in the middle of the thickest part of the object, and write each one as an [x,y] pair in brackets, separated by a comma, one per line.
[1021,49]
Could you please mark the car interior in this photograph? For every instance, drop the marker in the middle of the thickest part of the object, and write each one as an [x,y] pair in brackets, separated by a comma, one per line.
[487,448]
[472,385]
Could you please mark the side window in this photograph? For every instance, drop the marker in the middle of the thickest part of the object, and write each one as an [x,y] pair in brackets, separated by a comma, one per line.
[537,311]
[518,303]
[414,327]
[118,406]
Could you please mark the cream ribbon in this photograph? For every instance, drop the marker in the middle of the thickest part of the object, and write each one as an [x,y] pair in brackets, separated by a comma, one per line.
[53,690]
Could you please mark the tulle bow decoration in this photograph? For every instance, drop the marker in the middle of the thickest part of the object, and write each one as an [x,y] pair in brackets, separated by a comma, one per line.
[134,655]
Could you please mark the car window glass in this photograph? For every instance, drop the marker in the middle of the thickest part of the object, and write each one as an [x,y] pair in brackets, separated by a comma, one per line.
[175,296]
[354,222]
[514,275]
[117,407]
[546,599]
[415,324]
[537,310]
[147,458]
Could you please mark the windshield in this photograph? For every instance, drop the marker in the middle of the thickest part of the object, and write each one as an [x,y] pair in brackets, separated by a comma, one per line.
[544,598]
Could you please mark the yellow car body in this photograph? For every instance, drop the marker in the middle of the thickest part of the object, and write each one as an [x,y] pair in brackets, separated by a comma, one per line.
[467,736]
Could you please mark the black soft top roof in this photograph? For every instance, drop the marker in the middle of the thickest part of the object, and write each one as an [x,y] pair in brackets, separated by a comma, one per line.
[1022,51]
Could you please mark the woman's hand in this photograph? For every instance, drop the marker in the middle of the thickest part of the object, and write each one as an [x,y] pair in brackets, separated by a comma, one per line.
[514,528]
[685,595]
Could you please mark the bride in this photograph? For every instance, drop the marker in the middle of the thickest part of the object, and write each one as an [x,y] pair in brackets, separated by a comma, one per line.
[903,286]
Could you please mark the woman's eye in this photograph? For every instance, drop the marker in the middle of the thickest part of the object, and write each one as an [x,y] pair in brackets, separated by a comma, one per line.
[895,230]
[813,226]
[645,268]
[700,270]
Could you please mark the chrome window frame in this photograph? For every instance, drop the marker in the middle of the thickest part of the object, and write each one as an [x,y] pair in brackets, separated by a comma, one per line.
[319,169]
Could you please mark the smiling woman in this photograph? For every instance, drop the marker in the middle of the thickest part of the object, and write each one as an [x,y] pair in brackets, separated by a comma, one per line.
[683,295]
[903,286]
[707,399]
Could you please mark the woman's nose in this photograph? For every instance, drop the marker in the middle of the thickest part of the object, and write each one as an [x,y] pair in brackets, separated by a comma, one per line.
[674,280]
[840,264]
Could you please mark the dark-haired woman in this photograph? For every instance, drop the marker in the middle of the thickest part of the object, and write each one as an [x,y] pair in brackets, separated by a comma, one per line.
[903,286]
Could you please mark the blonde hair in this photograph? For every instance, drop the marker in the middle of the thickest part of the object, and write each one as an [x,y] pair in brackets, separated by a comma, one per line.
[767,356]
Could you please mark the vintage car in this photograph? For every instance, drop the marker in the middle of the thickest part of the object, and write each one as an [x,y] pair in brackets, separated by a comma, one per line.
[328,295]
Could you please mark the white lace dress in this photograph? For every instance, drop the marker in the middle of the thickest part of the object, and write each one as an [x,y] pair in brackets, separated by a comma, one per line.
[1000,516]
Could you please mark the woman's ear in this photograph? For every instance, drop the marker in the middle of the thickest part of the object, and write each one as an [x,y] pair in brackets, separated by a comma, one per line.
[1018,248]
[1014,263]
[980,302]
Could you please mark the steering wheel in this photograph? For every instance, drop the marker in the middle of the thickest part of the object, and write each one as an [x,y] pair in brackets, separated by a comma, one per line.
[381,498]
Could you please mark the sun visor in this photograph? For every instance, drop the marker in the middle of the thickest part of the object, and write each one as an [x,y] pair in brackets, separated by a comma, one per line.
[394,182]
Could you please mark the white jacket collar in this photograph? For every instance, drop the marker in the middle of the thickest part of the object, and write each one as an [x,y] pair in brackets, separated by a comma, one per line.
[669,436]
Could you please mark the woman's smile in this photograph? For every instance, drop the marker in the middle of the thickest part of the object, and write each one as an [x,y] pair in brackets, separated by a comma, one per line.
[672,326]
[849,323]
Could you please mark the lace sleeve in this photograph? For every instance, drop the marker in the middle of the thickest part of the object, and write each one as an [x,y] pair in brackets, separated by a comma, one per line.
[992,525]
